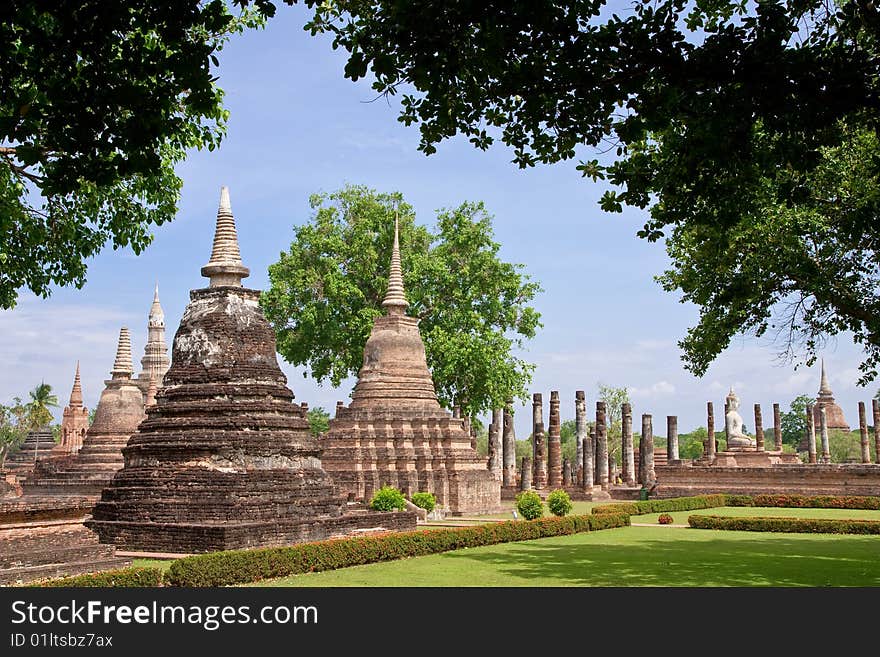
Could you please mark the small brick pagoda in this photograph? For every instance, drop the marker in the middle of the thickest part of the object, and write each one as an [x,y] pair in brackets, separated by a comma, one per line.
[394,431]
[74,420]
[825,399]
[224,459]
[120,409]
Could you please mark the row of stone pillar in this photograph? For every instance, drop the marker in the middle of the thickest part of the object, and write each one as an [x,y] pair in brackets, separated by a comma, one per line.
[825,456]
[545,468]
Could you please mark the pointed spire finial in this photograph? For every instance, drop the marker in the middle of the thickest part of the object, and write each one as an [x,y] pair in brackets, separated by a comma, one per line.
[123,367]
[824,388]
[156,293]
[76,395]
[225,266]
[395,298]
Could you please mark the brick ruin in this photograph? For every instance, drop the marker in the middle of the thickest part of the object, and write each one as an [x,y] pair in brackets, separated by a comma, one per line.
[224,459]
[395,432]
[765,467]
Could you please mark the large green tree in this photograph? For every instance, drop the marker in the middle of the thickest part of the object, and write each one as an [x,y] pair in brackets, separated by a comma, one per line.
[473,307]
[794,422]
[734,122]
[98,101]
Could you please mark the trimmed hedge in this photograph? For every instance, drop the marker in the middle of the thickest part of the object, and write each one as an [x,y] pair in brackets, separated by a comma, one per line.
[805,501]
[659,506]
[790,525]
[125,577]
[241,566]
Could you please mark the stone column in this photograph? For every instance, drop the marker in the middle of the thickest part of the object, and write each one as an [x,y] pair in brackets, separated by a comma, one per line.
[588,462]
[602,442]
[495,442]
[580,423]
[554,444]
[823,427]
[863,431]
[537,417]
[777,428]
[648,441]
[811,434]
[566,472]
[539,479]
[525,478]
[508,445]
[875,407]
[759,429]
[640,471]
[710,428]
[628,459]
[671,438]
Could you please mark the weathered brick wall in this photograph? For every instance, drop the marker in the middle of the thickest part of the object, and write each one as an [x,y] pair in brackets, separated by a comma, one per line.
[804,479]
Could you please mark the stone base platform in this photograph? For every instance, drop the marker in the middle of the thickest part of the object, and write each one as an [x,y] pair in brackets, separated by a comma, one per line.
[745,458]
[800,479]
[214,536]
[44,550]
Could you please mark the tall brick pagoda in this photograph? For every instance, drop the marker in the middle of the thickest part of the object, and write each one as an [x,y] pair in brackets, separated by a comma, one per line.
[394,431]
[225,459]
[120,409]
[74,420]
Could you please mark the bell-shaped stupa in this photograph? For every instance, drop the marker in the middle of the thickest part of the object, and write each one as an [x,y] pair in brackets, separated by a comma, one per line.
[119,412]
[825,399]
[225,459]
[394,431]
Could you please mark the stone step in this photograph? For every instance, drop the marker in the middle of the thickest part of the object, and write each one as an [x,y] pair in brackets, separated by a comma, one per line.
[24,539]
[51,571]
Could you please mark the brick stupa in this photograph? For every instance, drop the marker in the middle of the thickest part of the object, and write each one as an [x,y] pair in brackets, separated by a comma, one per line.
[825,399]
[119,412]
[394,431]
[224,459]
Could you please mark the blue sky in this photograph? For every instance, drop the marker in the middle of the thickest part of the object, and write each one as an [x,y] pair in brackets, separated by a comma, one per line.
[298,127]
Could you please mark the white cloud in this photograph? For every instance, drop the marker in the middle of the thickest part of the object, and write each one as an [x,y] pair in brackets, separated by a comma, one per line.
[658,389]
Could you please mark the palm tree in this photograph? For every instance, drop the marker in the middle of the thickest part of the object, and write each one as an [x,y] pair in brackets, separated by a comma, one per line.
[42,400]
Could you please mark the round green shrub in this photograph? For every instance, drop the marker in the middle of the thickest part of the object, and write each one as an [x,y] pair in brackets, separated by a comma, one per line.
[559,503]
[425,501]
[529,505]
[388,498]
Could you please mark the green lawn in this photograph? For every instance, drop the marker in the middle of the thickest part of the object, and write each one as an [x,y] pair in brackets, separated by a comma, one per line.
[632,556]
[680,517]
[164,564]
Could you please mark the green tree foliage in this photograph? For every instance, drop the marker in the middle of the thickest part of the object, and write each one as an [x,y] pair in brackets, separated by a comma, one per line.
[822,278]
[794,422]
[319,420]
[13,427]
[472,307]
[568,438]
[614,399]
[38,413]
[98,101]
[739,125]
